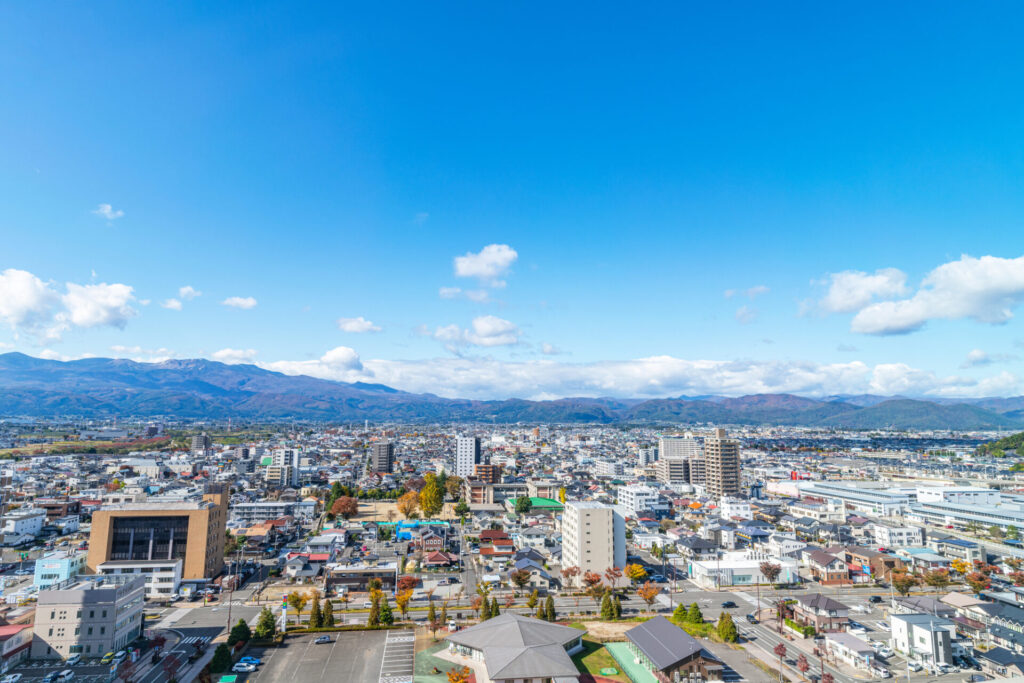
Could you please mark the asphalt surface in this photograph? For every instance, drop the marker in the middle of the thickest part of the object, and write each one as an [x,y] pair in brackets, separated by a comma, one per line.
[356,656]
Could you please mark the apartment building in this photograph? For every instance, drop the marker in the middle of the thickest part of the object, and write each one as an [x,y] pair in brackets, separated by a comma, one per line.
[382,456]
[635,500]
[722,459]
[89,616]
[897,536]
[593,537]
[467,455]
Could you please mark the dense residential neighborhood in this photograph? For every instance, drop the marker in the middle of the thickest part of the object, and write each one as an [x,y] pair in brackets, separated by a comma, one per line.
[472,539]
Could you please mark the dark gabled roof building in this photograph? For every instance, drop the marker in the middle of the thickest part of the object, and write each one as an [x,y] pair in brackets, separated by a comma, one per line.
[667,650]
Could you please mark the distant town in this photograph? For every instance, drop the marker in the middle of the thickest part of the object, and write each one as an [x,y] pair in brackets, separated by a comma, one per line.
[149,551]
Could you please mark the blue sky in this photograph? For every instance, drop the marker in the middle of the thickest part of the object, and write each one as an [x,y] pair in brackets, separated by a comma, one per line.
[680,199]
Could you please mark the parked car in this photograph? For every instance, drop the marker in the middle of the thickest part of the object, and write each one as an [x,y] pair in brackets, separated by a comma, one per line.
[914,666]
[320,640]
[51,677]
[657,578]
[11,678]
[120,657]
[875,599]
[881,672]
[74,659]
[243,668]
[107,658]
[65,675]
[255,661]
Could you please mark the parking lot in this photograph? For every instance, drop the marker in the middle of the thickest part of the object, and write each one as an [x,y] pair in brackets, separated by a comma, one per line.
[357,656]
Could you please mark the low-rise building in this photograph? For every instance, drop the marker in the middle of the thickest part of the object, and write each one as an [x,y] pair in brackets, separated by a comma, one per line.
[163,577]
[821,612]
[925,637]
[89,616]
[58,566]
[850,649]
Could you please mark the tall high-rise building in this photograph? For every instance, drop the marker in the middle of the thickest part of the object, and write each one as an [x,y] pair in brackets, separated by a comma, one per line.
[467,454]
[382,456]
[679,447]
[722,460]
[200,444]
[593,537]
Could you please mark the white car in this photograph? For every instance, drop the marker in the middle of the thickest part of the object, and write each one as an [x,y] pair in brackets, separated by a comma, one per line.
[243,668]
[914,666]
[11,678]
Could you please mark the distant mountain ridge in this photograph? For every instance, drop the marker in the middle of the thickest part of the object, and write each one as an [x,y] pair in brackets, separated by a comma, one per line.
[198,388]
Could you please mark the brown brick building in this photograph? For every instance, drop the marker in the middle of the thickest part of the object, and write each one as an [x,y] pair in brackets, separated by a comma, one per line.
[193,531]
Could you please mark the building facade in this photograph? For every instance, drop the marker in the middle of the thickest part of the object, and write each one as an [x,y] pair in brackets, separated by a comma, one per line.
[722,460]
[593,537]
[467,455]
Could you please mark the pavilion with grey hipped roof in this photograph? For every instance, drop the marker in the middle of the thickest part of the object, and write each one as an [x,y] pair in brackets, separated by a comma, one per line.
[518,648]
[672,654]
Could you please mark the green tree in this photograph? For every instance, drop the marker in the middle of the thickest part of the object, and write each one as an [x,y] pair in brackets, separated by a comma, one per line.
[523,505]
[531,601]
[297,601]
[727,628]
[694,615]
[373,619]
[328,613]
[617,607]
[549,608]
[431,496]
[431,613]
[461,509]
[607,609]
[221,661]
[540,613]
[679,614]
[995,531]
[316,617]
[444,612]
[387,617]
[495,610]
[240,633]
[266,626]
[1012,532]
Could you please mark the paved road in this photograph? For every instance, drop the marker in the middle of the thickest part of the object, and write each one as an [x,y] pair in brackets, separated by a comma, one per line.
[355,656]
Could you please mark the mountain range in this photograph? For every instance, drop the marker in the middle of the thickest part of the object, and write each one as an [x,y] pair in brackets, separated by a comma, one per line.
[203,389]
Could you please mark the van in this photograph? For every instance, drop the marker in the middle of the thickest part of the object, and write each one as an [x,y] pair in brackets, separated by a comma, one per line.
[65,675]
[74,659]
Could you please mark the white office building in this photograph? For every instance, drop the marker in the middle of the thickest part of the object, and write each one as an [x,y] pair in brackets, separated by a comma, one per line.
[163,577]
[634,499]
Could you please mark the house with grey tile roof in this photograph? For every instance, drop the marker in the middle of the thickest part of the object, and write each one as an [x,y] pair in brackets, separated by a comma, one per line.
[518,649]
[670,653]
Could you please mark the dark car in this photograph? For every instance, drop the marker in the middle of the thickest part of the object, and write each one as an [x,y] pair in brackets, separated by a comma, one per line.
[728,604]
[751,618]
[320,640]
[875,598]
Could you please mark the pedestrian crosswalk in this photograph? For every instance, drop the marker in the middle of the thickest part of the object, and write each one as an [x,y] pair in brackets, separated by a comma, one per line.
[196,640]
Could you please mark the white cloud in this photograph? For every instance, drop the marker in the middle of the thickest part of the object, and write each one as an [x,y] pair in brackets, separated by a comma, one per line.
[750,293]
[485,331]
[985,289]
[851,290]
[477,295]
[340,363]
[96,305]
[172,304]
[746,315]
[243,302]
[657,376]
[550,349]
[488,266]
[979,358]
[50,354]
[234,356]
[108,212]
[25,300]
[188,292]
[357,325]
[450,292]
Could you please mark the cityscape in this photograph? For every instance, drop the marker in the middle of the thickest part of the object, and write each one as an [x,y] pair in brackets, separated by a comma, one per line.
[507,343]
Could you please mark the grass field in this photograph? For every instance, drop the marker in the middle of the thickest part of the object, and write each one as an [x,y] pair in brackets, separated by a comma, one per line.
[594,657]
